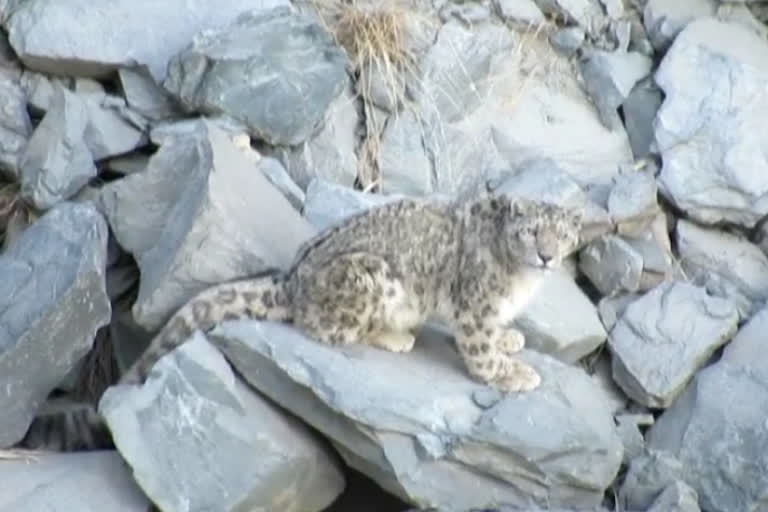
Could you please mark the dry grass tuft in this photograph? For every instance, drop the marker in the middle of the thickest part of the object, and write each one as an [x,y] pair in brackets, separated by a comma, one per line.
[377,37]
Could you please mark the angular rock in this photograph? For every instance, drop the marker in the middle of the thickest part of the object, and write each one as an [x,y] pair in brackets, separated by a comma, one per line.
[277,71]
[717,431]
[15,126]
[611,265]
[560,320]
[144,95]
[109,132]
[544,180]
[65,482]
[639,111]
[665,337]
[329,154]
[423,430]
[149,32]
[664,20]
[404,164]
[466,12]
[741,13]
[633,440]
[609,78]
[586,13]
[192,402]
[201,213]
[612,308]
[709,130]
[727,265]
[328,203]
[748,346]
[647,477]
[632,201]
[456,69]
[40,89]
[524,13]
[57,162]
[52,302]
[677,497]
[568,40]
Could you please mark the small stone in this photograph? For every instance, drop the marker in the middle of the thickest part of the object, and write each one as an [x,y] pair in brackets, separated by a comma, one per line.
[639,109]
[610,77]
[611,265]
[15,126]
[57,162]
[65,482]
[677,497]
[664,20]
[523,13]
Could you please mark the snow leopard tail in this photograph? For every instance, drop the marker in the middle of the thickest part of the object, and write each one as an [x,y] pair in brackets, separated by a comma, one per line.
[65,425]
[261,298]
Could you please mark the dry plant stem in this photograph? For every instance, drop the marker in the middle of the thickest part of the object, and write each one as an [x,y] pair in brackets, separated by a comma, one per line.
[374,36]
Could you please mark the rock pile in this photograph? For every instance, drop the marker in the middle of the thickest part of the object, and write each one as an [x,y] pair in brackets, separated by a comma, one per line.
[151,149]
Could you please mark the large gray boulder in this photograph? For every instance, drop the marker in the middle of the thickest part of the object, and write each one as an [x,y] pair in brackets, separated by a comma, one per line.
[52,301]
[73,38]
[420,427]
[710,128]
[198,438]
[201,213]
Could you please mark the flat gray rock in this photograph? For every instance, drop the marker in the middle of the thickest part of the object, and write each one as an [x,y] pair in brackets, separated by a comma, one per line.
[709,130]
[73,38]
[15,125]
[424,431]
[66,482]
[57,161]
[727,265]
[275,70]
[52,302]
[717,431]
[201,213]
[197,438]
[664,337]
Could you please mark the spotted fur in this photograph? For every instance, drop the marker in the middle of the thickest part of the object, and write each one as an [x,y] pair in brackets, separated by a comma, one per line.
[377,276]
